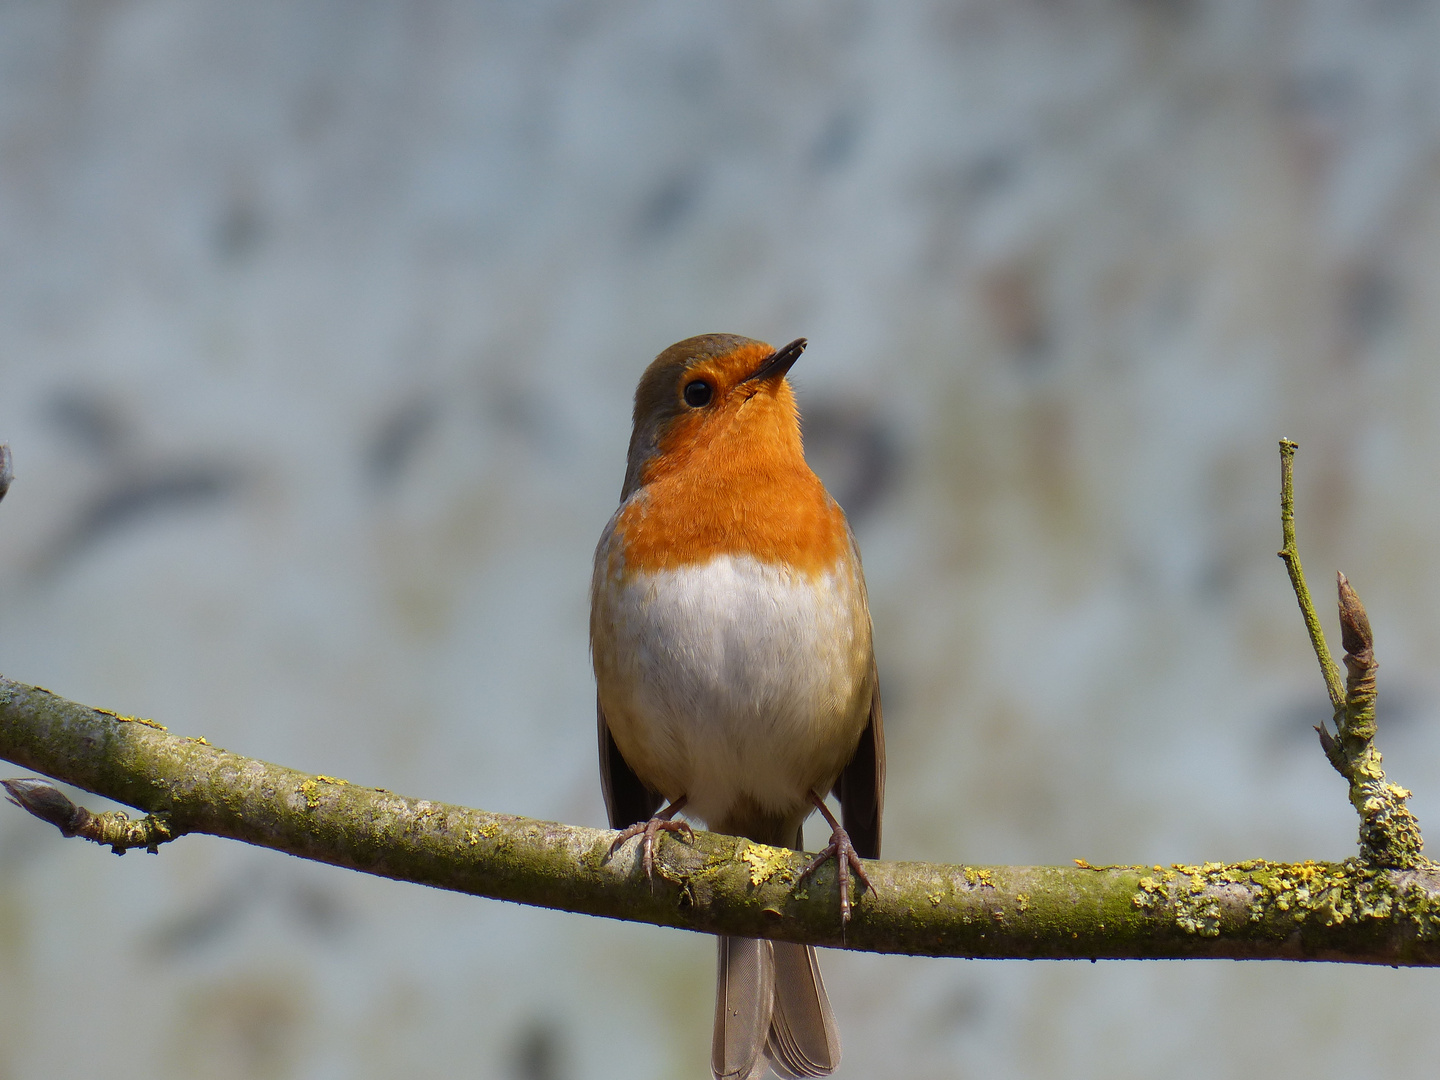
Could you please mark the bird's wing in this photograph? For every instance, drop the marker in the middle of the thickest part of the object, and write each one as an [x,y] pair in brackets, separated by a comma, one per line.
[861,787]
[627,800]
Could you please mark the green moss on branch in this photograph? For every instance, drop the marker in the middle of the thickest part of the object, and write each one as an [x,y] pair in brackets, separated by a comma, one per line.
[722,884]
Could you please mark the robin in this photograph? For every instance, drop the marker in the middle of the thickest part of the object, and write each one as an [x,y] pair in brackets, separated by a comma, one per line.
[733,661]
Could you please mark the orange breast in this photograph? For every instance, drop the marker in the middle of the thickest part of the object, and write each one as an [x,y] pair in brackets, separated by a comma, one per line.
[740,487]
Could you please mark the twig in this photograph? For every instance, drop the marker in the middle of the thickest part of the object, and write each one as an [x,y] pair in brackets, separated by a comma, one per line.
[114,828]
[1291,555]
[1389,834]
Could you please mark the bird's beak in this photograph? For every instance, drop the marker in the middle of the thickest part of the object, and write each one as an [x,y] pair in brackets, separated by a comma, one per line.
[778,362]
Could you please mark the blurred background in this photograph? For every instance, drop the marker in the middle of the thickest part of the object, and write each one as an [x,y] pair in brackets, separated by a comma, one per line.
[319,323]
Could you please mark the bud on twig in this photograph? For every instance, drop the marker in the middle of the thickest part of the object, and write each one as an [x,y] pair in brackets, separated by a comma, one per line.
[46,802]
[114,828]
[1355,632]
[1360,667]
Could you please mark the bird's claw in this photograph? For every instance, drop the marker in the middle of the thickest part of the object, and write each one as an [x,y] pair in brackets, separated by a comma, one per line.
[846,861]
[661,822]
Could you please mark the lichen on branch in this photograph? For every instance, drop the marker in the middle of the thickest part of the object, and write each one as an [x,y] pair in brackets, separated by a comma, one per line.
[1350,911]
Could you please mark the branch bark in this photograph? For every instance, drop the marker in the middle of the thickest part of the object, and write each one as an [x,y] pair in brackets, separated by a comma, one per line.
[720,884]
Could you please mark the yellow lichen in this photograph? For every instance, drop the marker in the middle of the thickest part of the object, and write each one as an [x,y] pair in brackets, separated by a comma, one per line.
[1322,894]
[311,788]
[765,862]
[1151,894]
[129,719]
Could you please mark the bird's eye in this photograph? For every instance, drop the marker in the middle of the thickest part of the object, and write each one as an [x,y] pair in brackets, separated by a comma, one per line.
[698,394]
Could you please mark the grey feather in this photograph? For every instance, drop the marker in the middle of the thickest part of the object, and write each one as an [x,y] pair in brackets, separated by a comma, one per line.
[744,1001]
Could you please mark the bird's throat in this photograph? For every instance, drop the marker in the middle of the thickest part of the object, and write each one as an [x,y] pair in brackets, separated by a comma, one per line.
[732,496]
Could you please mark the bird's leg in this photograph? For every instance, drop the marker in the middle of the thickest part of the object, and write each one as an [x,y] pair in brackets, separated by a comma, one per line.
[661,822]
[845,859]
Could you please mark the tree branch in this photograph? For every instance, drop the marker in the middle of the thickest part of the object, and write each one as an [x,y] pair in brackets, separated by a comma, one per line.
[1383,907]
[723,884]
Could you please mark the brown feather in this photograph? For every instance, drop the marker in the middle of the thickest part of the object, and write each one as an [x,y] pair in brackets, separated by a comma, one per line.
[803,1037]
[627,799]
[744,1002]
[861,787]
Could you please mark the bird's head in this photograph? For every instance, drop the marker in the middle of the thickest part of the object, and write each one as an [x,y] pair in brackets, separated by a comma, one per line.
[713,401]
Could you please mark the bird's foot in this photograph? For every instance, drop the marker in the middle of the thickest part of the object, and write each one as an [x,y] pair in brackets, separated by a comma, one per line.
[846,860]
[661,822]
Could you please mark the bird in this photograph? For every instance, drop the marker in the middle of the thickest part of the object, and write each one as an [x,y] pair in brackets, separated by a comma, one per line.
[735,674]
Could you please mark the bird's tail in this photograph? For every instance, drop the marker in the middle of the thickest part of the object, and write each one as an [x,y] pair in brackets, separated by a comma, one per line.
[771,1009]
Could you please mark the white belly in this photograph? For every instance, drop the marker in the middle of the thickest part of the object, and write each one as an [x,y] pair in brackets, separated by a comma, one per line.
[734,679]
